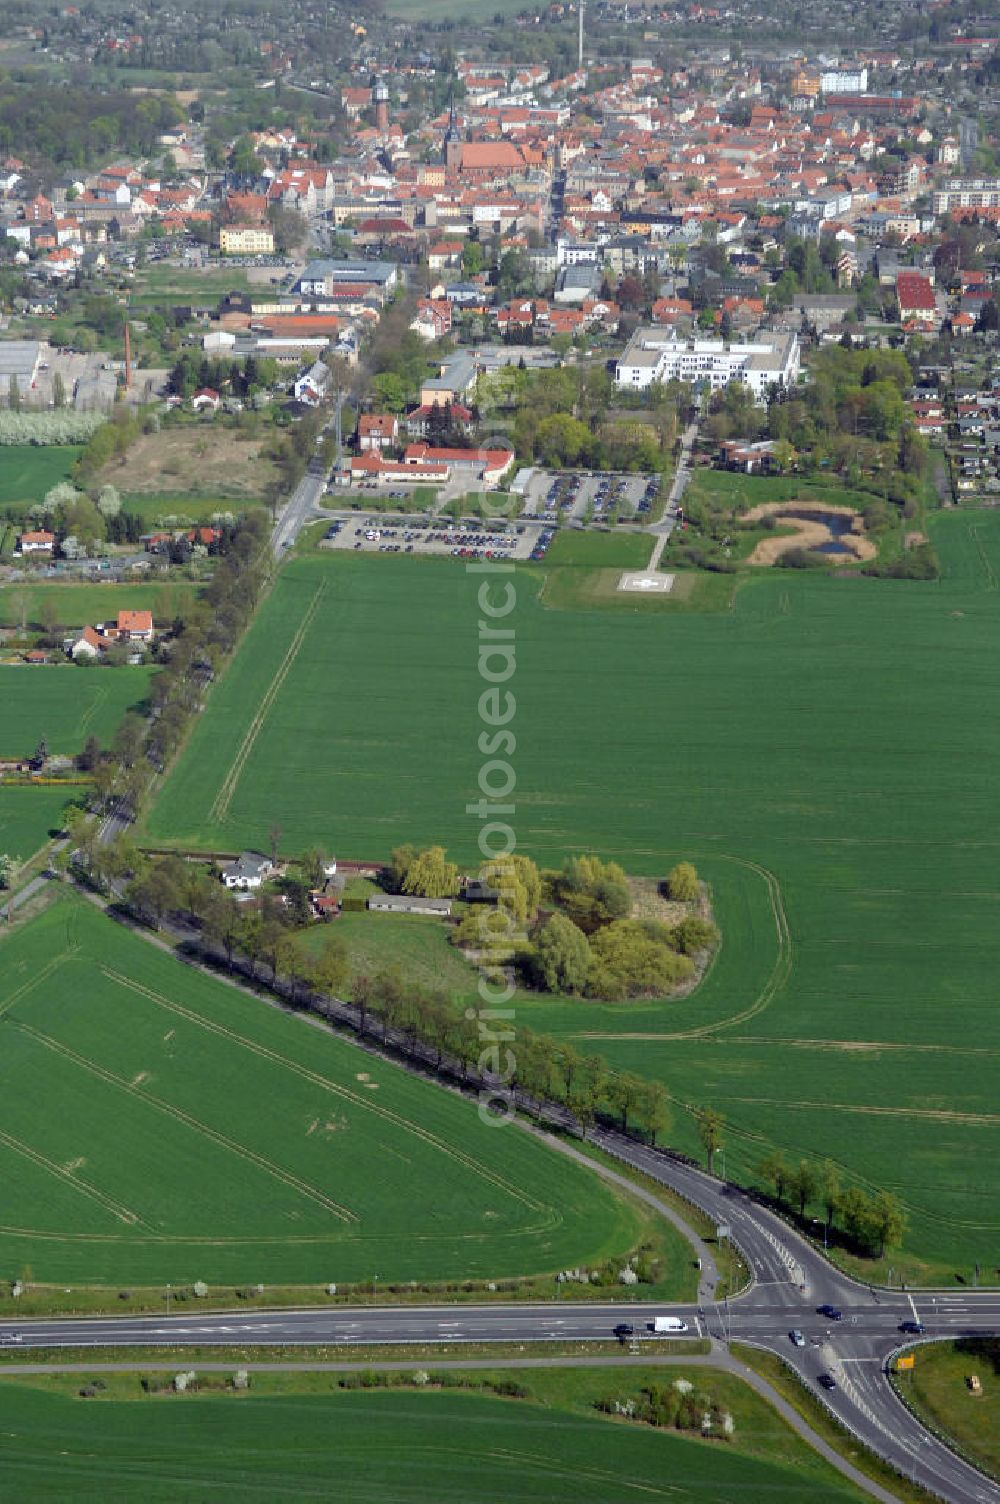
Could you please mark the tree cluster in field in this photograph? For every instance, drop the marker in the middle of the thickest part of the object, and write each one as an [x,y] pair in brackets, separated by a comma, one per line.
[873,1223]
[677,1405]
[586,943]
[387,1006]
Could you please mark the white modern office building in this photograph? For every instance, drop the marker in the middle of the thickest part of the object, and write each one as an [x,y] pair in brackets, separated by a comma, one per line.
[658,355]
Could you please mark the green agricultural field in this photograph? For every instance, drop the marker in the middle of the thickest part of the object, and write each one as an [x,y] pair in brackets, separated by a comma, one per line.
[27,471]
[288,1437]
[258,1149]
[27,815]
[825,748]
[64,704]
[76,605]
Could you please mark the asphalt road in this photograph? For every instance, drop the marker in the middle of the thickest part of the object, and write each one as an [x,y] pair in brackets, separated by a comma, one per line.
[299,508]
[790,1280]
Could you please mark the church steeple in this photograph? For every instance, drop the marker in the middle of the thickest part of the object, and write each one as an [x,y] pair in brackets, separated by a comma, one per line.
[452,141]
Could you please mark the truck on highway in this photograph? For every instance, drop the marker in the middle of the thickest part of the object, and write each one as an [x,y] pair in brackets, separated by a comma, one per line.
[668,1324]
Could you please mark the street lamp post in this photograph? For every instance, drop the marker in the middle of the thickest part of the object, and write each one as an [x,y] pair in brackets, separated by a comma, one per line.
[374,1289]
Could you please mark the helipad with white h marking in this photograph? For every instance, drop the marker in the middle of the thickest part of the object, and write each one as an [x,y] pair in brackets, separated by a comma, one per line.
[647,584]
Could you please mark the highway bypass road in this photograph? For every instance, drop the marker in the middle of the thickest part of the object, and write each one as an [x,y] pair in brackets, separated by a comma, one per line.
[790,1284]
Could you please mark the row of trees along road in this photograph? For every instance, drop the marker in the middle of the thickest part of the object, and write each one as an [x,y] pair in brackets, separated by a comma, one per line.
[872,1223]
[204,633]
[261,941]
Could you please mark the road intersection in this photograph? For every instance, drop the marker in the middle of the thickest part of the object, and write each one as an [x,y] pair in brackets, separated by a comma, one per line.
[790,1281]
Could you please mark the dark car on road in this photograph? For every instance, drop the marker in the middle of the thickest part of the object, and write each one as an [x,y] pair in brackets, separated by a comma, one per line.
[827,1381]
[916,1327]
[832,1313]
[624,1329]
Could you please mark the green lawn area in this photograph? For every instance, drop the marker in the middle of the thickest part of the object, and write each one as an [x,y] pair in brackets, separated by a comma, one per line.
[291,1435]
[27,471]
[76,605]
[159,283]
[729,488]
[258,1148]
[27,815]
[600,550]
[65,705]
[831,743]
[936,1387]
[418,945]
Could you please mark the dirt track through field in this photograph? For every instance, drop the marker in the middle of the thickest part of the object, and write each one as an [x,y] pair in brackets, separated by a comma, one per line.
[223,799]
[36,979]
[240,1150]
[991,579]
[17,1146]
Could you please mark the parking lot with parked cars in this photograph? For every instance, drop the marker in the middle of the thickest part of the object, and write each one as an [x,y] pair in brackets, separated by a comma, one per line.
[466,540]
[584,496]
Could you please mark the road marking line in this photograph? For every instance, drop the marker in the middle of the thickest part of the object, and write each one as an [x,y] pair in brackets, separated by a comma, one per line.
[912,1306]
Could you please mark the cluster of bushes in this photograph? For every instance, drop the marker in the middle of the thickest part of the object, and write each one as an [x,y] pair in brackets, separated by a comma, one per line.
[590,945]
[919,563]
[801,558]
[677,1405]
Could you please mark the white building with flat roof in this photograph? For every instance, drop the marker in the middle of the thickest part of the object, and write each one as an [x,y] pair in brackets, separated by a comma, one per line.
[843,81]
[658,355]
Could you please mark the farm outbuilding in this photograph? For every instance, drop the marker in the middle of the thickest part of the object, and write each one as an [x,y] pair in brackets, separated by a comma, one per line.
[401,903]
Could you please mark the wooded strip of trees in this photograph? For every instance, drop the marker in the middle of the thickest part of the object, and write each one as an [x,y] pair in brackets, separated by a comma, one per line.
[203,634]
[873,1223]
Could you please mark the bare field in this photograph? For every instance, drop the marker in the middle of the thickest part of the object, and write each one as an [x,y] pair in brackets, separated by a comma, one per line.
[204,460]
